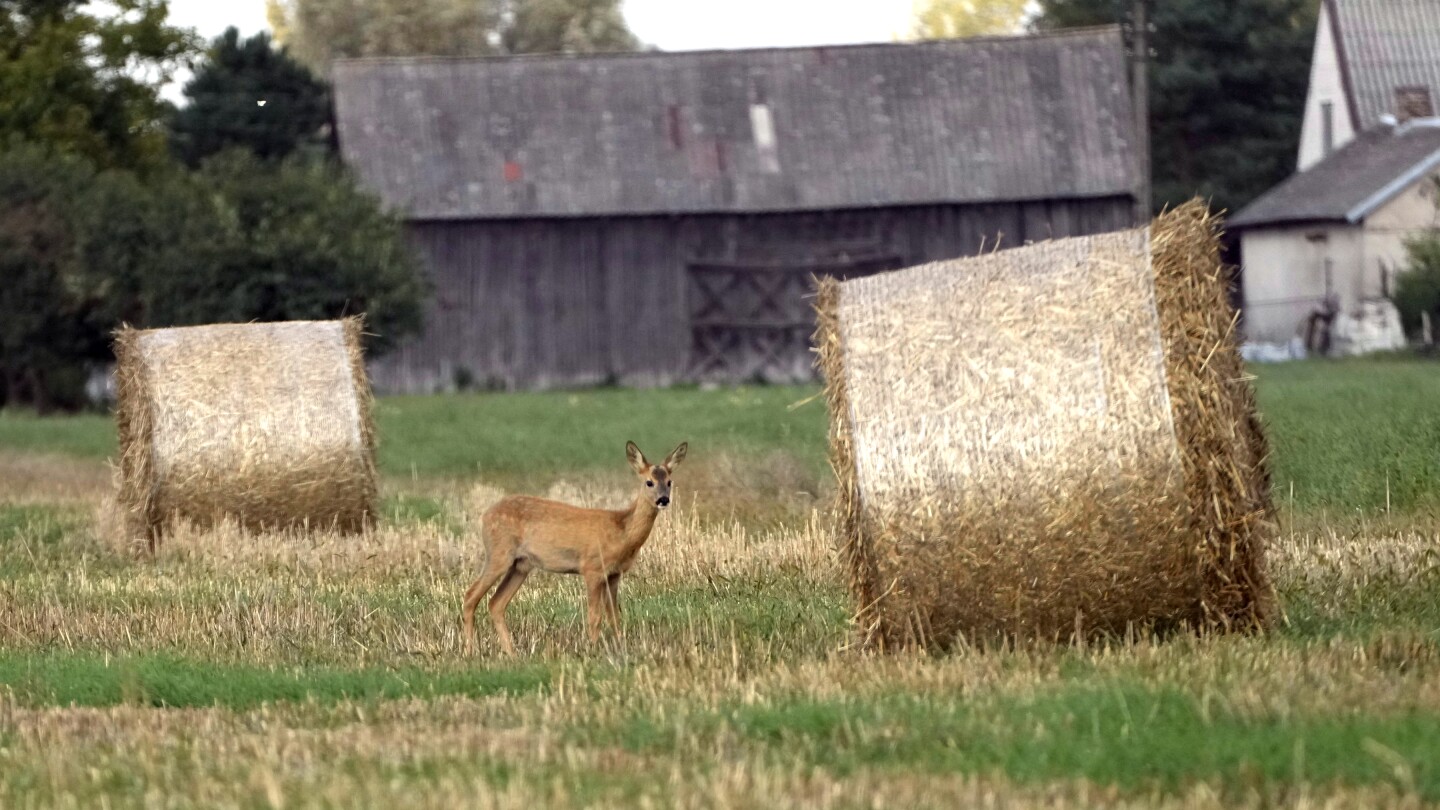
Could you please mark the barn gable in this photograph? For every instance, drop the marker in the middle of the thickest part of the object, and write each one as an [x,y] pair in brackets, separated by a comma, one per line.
[803,129]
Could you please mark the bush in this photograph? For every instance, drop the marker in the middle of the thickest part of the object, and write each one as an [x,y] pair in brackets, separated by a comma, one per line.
[239,240]
[1417,290]
[303,240]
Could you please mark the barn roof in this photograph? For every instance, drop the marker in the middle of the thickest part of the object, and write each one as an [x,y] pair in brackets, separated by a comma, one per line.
[1387,45]
[1352,183]
[964,121]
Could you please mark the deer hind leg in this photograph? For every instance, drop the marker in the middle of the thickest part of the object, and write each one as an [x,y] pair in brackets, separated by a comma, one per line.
[495,567]
[501,600]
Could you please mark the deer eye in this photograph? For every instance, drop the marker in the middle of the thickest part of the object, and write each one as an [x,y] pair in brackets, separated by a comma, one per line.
[649,483]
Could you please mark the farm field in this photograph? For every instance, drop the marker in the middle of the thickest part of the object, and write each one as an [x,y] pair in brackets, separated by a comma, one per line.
[295,671]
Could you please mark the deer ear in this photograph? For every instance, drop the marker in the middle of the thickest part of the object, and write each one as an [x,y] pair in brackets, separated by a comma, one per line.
[636,458]
[676,456]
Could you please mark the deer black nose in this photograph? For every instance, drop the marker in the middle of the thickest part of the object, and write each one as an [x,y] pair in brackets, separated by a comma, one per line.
[664,500]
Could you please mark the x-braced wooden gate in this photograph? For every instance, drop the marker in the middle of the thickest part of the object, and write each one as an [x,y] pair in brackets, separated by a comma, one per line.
[752,322]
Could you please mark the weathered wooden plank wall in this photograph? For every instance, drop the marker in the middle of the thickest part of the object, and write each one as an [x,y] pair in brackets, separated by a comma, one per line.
[544,303]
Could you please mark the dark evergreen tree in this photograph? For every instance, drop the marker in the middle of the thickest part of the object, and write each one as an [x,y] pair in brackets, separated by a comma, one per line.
[251,95]
[1227,89]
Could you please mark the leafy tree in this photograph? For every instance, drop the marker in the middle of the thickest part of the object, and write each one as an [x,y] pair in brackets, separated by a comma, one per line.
[302,240]
[319,31]
[567,26]
[242,239]
[1417,290]
[1227,90]
[949,19]
[251,95]
[42,330]
[86,83]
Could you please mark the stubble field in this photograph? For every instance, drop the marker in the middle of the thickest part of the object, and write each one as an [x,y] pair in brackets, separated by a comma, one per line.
[305,670]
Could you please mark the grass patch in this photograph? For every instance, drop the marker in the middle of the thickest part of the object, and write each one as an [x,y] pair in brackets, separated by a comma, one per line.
[522,434]
[414,510]
[36,522]
[1348,435]
[60,679]
[528,435]
[83,435]
[1133,735]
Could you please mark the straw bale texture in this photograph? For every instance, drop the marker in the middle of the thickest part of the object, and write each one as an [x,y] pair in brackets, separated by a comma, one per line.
[1048,442]
[267,424]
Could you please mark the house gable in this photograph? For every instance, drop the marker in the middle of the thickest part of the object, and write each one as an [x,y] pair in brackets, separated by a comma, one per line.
[1329,120]
[1411,209]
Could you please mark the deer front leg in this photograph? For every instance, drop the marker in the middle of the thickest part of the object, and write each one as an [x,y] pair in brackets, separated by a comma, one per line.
[612,600]
[596,595]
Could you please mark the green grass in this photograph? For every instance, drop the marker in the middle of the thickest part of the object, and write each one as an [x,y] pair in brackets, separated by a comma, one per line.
[1346,433]
[41,523]
[63,679]
[527,434]
[1136,734]
[82,436]
[1346,436]
[505,435]
[1130,734]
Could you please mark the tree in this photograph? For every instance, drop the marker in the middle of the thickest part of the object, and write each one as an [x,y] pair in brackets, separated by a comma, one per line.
[301,240]
[1417,289]
[1227,90]
[88,84]
[950,19]
[567,26]
[319,31]
[242,239]
[42,330]
[245,240]
[251,95]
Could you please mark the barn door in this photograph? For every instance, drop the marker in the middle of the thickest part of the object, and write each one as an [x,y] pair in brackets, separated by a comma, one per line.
[752,322]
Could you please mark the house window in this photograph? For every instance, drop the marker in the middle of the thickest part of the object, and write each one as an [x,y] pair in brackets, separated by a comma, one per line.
[1327,127]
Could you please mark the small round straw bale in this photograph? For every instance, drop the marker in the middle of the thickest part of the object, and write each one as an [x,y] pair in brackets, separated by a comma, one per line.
[1049,442]
[267,424]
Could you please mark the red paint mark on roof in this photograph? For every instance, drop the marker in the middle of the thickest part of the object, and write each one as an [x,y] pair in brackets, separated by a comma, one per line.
[513,172]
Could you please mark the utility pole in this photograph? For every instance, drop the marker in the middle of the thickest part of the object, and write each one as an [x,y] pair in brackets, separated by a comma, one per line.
[1140,84]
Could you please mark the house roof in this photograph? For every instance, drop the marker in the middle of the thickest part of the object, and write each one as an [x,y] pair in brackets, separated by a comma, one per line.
[1352,183]
[1386,45]
[962,121]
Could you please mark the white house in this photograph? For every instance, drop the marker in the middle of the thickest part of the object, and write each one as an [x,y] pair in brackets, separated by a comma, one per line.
[1323,248]
[1372,58]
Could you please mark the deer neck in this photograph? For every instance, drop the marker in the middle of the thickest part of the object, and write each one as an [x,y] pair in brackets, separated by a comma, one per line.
[639,520]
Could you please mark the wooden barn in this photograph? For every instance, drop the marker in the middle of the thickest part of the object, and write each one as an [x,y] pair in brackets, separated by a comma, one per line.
[654,218]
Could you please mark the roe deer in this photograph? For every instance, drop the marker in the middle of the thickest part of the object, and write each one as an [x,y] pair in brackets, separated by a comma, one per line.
[523,533]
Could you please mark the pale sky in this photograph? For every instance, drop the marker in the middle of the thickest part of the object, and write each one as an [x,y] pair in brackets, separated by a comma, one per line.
[672,25]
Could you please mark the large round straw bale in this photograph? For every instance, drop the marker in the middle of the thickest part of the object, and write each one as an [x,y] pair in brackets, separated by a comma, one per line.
[268,424]
[1047,442]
